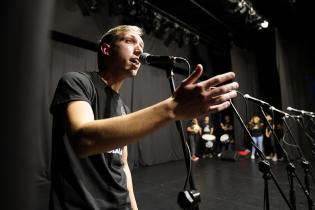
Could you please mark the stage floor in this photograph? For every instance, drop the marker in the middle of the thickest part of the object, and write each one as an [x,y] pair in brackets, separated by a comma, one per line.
[222,184]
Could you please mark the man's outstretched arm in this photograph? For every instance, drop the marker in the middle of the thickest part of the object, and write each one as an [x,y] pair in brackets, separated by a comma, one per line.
[189,100]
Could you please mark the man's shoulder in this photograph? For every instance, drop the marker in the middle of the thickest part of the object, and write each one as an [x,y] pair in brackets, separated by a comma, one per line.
[79,78]
[76,75]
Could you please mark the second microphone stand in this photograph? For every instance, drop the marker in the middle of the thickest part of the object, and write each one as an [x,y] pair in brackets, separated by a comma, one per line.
[306,164]
[291,173]
[264,166]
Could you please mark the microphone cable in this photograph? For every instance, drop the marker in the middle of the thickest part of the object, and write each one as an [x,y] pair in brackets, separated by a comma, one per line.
[188,66]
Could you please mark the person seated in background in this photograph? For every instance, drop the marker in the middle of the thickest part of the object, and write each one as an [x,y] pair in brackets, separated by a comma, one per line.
[208,137]
[194,132]
[256,128]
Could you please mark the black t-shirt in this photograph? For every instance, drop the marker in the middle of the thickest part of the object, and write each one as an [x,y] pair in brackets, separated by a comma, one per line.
[256,130]
[95,182]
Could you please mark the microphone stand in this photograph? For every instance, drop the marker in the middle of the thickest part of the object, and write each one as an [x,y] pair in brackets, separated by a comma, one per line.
[306,167]
[308,136]
[187,199]
[306,164]
[263,165]
[290,167]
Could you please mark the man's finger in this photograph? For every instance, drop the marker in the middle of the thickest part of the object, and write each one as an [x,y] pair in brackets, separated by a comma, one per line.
[194,76]
[219,107]
[222,98]
[212,82]
[223,89]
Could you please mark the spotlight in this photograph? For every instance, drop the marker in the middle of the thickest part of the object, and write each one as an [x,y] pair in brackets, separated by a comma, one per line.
[164,28]
[240,7]
[264,24]
[146,18]
[251,11]
[93,4]
[243,9]
[156,21]
[194,40]
[171,36]
[117,7]
[186,37]
[183,38]
[178,36]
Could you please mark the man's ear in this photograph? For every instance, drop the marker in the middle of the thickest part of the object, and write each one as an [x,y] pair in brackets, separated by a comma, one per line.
[105,48]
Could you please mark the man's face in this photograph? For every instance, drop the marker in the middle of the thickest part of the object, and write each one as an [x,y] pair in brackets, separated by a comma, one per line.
[125,52]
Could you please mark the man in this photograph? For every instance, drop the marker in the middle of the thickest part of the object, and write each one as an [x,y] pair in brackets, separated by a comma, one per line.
[91,127]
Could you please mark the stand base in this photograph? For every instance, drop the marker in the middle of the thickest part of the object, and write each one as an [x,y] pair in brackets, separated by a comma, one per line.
[188,199]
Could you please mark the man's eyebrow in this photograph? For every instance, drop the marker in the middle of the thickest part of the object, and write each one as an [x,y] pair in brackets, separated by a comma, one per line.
[135,38]
[142,44]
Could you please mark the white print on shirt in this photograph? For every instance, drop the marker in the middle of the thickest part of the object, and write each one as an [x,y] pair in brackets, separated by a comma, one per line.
[116,151]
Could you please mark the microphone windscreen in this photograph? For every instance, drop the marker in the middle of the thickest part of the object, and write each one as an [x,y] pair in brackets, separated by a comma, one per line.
[143,58]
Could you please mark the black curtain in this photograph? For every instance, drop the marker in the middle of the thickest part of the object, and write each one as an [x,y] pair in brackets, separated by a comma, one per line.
[24,155]
[244,64]
[295,64]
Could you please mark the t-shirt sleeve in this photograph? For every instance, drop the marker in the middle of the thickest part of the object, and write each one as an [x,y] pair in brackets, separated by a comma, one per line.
[73,86]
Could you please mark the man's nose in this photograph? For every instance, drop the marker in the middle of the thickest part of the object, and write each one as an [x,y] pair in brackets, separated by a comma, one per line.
[138,50]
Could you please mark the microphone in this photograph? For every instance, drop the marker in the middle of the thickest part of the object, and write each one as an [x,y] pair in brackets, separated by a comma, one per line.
[279,111]
[300,111]
[146,58]
[260,102]
[296,116]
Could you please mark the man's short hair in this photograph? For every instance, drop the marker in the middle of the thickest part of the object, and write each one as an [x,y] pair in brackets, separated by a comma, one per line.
[110,37]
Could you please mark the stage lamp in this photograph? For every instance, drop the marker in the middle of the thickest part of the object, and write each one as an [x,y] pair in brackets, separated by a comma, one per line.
[156,21]
[251,11]
[264,24]
[243,9]
[178,37]
[194,39]
[184,38]
[172,34]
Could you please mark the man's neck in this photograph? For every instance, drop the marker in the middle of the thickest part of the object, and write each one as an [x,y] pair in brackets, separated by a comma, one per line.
[111,81]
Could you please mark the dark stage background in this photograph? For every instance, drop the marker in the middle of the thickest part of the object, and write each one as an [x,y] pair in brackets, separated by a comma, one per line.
[41,40]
